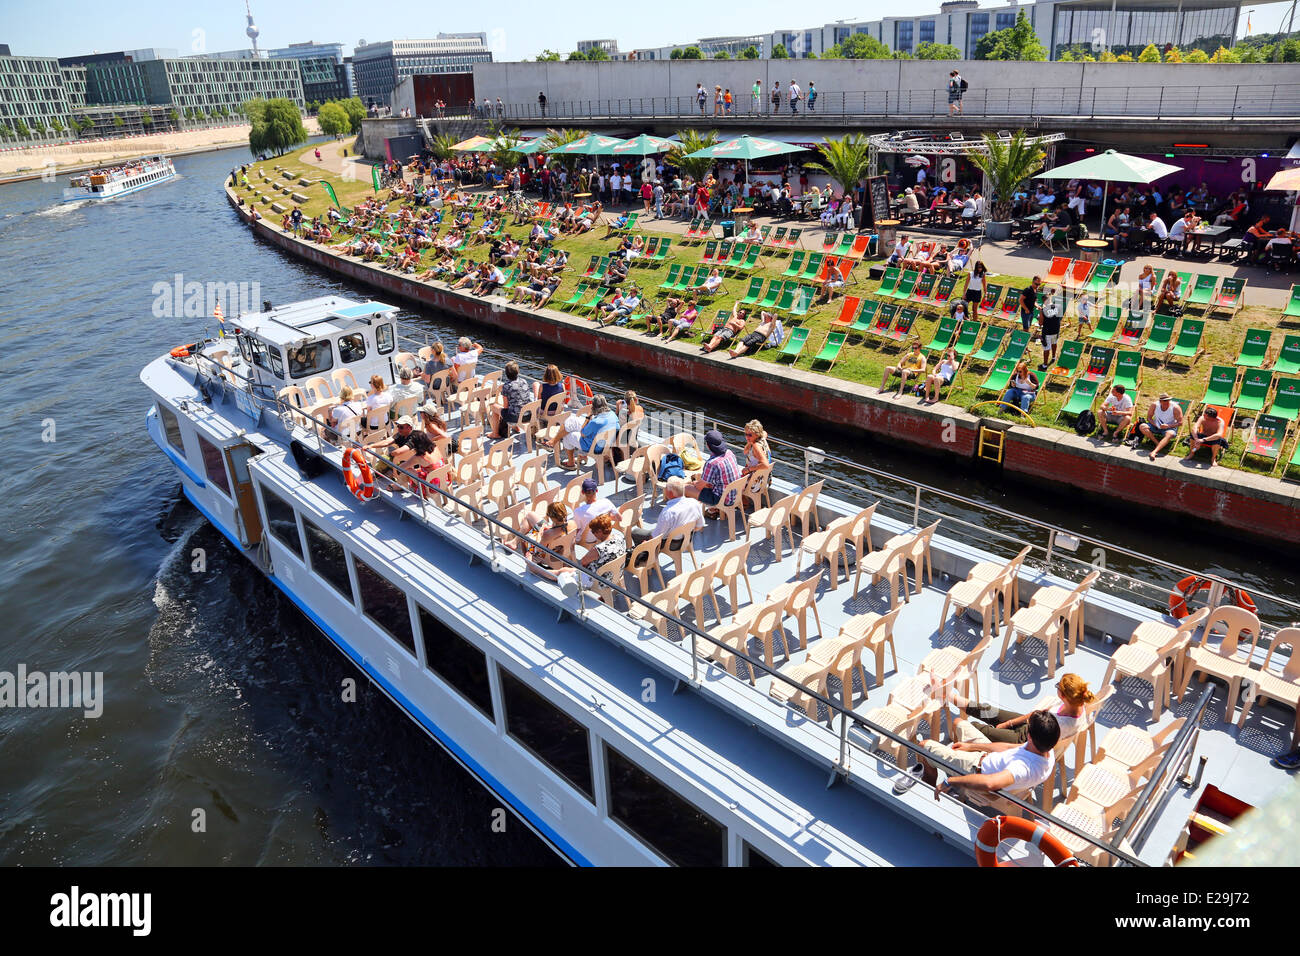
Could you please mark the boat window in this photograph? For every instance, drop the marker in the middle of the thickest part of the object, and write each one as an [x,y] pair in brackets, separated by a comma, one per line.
[669,824]
[310,359]
[277,363]
[384,338]
[243,347]
[352,348]
[213,464]
[171,428]
[456,661]
[551,734]
[752,857]
[385,604]
[282,521]
[262,356]
[328,559]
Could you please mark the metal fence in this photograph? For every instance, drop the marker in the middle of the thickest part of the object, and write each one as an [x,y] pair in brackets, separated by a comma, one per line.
[1009,103]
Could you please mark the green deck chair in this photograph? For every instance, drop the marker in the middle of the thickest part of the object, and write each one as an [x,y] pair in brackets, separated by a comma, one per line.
[943,291]
[846,244]
[1099,362]
[1162,330]
[788,292]
[903,324]
[905,285]
[1254,348]
[795,266]
[1107,324]
[1081,399]
[751,258]
[670,280]
[662,253]
[1286,399]
[812,265]
[1255,386]
[1188,344]
[1230,296]
[1203,290]
[772,295]
[685,280]
[1293,306]
[999,375]
[1128,370]
[1100,278]
[1267,438]
[1016,345]
[1067,361]
[923,289]
[777,239]
[574,299]
[794,344]
[737,258]
[1288,358]
[992,343]
[866,317]
[710,253]
[992,296]
[967,336]
[831,349]
[1134,330]
[1219,389]
[802,301]
[888,281]
[942,337]
[885,316]
[755,292]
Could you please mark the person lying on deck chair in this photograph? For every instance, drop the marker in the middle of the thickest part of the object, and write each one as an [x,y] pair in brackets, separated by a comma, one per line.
[755,340]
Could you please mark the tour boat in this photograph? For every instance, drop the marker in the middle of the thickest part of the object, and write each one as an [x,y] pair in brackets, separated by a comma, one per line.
[700,714]
[110,182]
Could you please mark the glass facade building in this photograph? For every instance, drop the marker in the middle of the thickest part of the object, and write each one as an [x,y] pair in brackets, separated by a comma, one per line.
[1091,26]
[379,67]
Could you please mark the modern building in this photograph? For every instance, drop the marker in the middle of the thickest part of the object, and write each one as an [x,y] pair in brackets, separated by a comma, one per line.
[74,82]
[121,56]
[32,95]
[609,46]
[380,66]
[192,83]
[342,82]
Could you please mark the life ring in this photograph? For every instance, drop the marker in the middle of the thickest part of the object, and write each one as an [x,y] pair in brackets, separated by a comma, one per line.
[1191,584]
[360,479]
[183,351]
[581,386]
[997,829]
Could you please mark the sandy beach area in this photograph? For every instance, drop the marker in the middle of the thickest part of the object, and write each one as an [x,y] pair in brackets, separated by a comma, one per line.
[71,155]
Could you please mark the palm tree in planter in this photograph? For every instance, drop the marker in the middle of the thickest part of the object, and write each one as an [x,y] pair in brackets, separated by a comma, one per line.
[442,145]
[847,160]
[692,141]
[1006,163]
[555,138]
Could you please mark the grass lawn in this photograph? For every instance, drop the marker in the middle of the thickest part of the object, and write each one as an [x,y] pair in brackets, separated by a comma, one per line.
[860,361]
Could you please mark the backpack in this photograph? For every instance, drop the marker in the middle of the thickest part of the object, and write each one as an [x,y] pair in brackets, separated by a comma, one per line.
[964,85]
[1086,423]
[670,466]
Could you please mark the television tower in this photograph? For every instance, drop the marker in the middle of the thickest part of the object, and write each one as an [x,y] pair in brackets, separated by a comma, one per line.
[252,29]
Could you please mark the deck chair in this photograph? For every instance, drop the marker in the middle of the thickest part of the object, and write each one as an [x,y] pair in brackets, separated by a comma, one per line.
[1107,324]
[1128,370]
[990,300]
[967,336]
[772,296]
[1188,343]
[848,312]
[1010,308]
[1230,297]
[1267,437]
[1082,397]
[1288,356]
[1099,363]
[1067,361]
[991,344]
[1077,277]
[890,280]
[1286,399]
[1202,293]
[866,317]
[1255,386]
[812,265]
[794,344]
[923,289]
[1057,272]
[1254,348]
[1293,304]
[1162,331]
[943,334]
[943,291]
[1100,278]
[906,283]
[1218,391]
[795,266]
[755,292]
[902,329]
[999,375]
[831,349]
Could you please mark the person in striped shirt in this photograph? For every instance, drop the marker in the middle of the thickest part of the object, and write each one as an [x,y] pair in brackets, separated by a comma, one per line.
[720,470]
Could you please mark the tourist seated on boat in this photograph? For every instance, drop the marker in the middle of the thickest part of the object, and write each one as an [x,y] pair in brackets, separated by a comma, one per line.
[684,321]
[491,277]
[350,405]
[516,392]
[407,386]
[997,725]
[730,329]
[579,434]
[628,408]
[1163,422]
[1171,294]
[436,362]
[592,506]
[552,384]
[941,377]
[720,469]
[678,510]
[767,332]
[421,457]
[990,766]
[431,422]
[607,544]
[1023,389]
[547,530]
[620,308]
[1209,430]
[1116,413]
[466,358]
[399,447]
[379,397]
[911,365]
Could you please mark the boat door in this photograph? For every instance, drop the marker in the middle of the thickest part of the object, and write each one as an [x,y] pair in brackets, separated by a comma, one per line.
[250,520]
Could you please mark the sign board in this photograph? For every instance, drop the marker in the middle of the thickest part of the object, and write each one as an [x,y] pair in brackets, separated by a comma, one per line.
[877,205]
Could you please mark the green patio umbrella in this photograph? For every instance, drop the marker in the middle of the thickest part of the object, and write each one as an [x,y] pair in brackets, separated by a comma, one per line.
[747,148]
[1112,167]
[592,144]
[643,145]
[529,147]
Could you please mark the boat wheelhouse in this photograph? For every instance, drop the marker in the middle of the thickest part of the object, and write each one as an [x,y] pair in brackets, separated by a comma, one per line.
[754,707]
[110,182]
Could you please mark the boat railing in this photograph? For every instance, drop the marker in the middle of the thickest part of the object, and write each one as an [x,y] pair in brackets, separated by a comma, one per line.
[1054,549]
[498,533]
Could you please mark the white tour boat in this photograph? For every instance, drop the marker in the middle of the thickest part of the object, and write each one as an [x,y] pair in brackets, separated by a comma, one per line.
[110,182]
[697,713]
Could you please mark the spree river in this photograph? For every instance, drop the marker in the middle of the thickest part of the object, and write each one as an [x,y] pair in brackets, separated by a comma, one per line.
[224,736]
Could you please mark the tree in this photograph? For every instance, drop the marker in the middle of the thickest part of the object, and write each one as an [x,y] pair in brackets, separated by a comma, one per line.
[779,52]
[1017,42]
[118,121]
[937,51]
[1224,55]
[84,123]
[548,56]
[1150,54]
[847,160]
[555,138]
[749,53]
[356,111]
[21,129]
[146,121]
[6,132]
[1197,56]
[692,141]
[57,125]
[1173,55]
[1007,163]
[441,145]
[676,54]
[276,128]
[576,55]
[173,115]
[859,46]
[1124,58]
[692,53]
[597,53]
[333,119]
[505,149]
[722,55]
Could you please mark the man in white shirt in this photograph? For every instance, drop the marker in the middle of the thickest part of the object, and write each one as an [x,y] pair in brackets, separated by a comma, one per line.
[466,358]
[1156,226]
[795,93]
[990,766]
[1116,413]
[591,507]
[677,511]
[615,188]
[1077,203]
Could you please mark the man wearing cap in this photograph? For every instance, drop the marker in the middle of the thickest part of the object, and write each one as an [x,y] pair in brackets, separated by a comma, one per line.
[399,448]
[1208,430]
[1164,419]
[720,470]
[591,507]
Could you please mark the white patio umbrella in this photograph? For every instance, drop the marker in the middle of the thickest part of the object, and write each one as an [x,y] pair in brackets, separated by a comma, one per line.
[1112,167]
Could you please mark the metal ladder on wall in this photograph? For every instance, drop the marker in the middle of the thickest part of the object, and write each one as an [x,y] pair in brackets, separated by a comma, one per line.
[991,444]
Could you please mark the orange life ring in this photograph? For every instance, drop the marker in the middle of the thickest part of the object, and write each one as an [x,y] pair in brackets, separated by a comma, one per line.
[582,386]
[360,479]
[183,351]
[1191,584]
[997,829]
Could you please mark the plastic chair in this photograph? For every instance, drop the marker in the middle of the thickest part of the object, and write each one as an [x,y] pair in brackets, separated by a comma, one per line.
[1130,746]
[1044,623]
[827,546]
[1155,665]
[1226,660]
[643,559]
[734,493]
[731,567]
[759,491]
[1058,599]
[876,631]
[694,588]
[677,543]
[1281,686]
[606,441]
[773,521]
[981,596]
[888,562]
[664,602]
[1009,576]
[804,509]
[908,704]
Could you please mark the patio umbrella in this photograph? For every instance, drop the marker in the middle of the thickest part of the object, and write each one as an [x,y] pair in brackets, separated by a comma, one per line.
[530,147]
[590,145]
[1112,167]
[1285,180]
[747,148]
[643,145]
[472,145]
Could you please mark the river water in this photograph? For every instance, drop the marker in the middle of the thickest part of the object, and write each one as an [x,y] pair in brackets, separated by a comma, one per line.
[224,736]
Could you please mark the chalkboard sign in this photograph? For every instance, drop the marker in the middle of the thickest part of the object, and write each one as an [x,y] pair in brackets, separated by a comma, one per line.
[877,200]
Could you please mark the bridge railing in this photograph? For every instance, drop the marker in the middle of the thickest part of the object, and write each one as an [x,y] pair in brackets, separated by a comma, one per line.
[1240,101]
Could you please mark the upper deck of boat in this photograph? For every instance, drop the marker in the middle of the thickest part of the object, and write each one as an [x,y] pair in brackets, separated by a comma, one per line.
[721,736]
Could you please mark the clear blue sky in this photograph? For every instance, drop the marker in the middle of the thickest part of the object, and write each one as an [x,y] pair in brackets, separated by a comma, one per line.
[516,30]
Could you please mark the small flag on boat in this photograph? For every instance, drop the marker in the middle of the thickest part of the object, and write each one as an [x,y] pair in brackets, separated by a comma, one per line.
[221,320]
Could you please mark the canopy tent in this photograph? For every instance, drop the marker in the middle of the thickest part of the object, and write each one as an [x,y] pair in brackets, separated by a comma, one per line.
[592,144]
[529,147]
[472,145]
[747,148]
[643,145]
[1112,167]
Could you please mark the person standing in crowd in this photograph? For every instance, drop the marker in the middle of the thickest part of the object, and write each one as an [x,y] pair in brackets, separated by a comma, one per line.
[812,97]
[541,102]
[1029,303]
[701,97]
[776,96]
[756,97]
[795,94]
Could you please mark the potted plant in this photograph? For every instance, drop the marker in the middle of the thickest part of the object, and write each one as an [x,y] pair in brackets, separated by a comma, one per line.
[1006,164]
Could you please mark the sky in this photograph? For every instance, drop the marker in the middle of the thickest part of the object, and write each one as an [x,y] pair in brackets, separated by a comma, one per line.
[517,29]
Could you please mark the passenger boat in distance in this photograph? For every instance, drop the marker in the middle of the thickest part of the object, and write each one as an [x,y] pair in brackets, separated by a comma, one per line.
[110,182]
[748,695]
